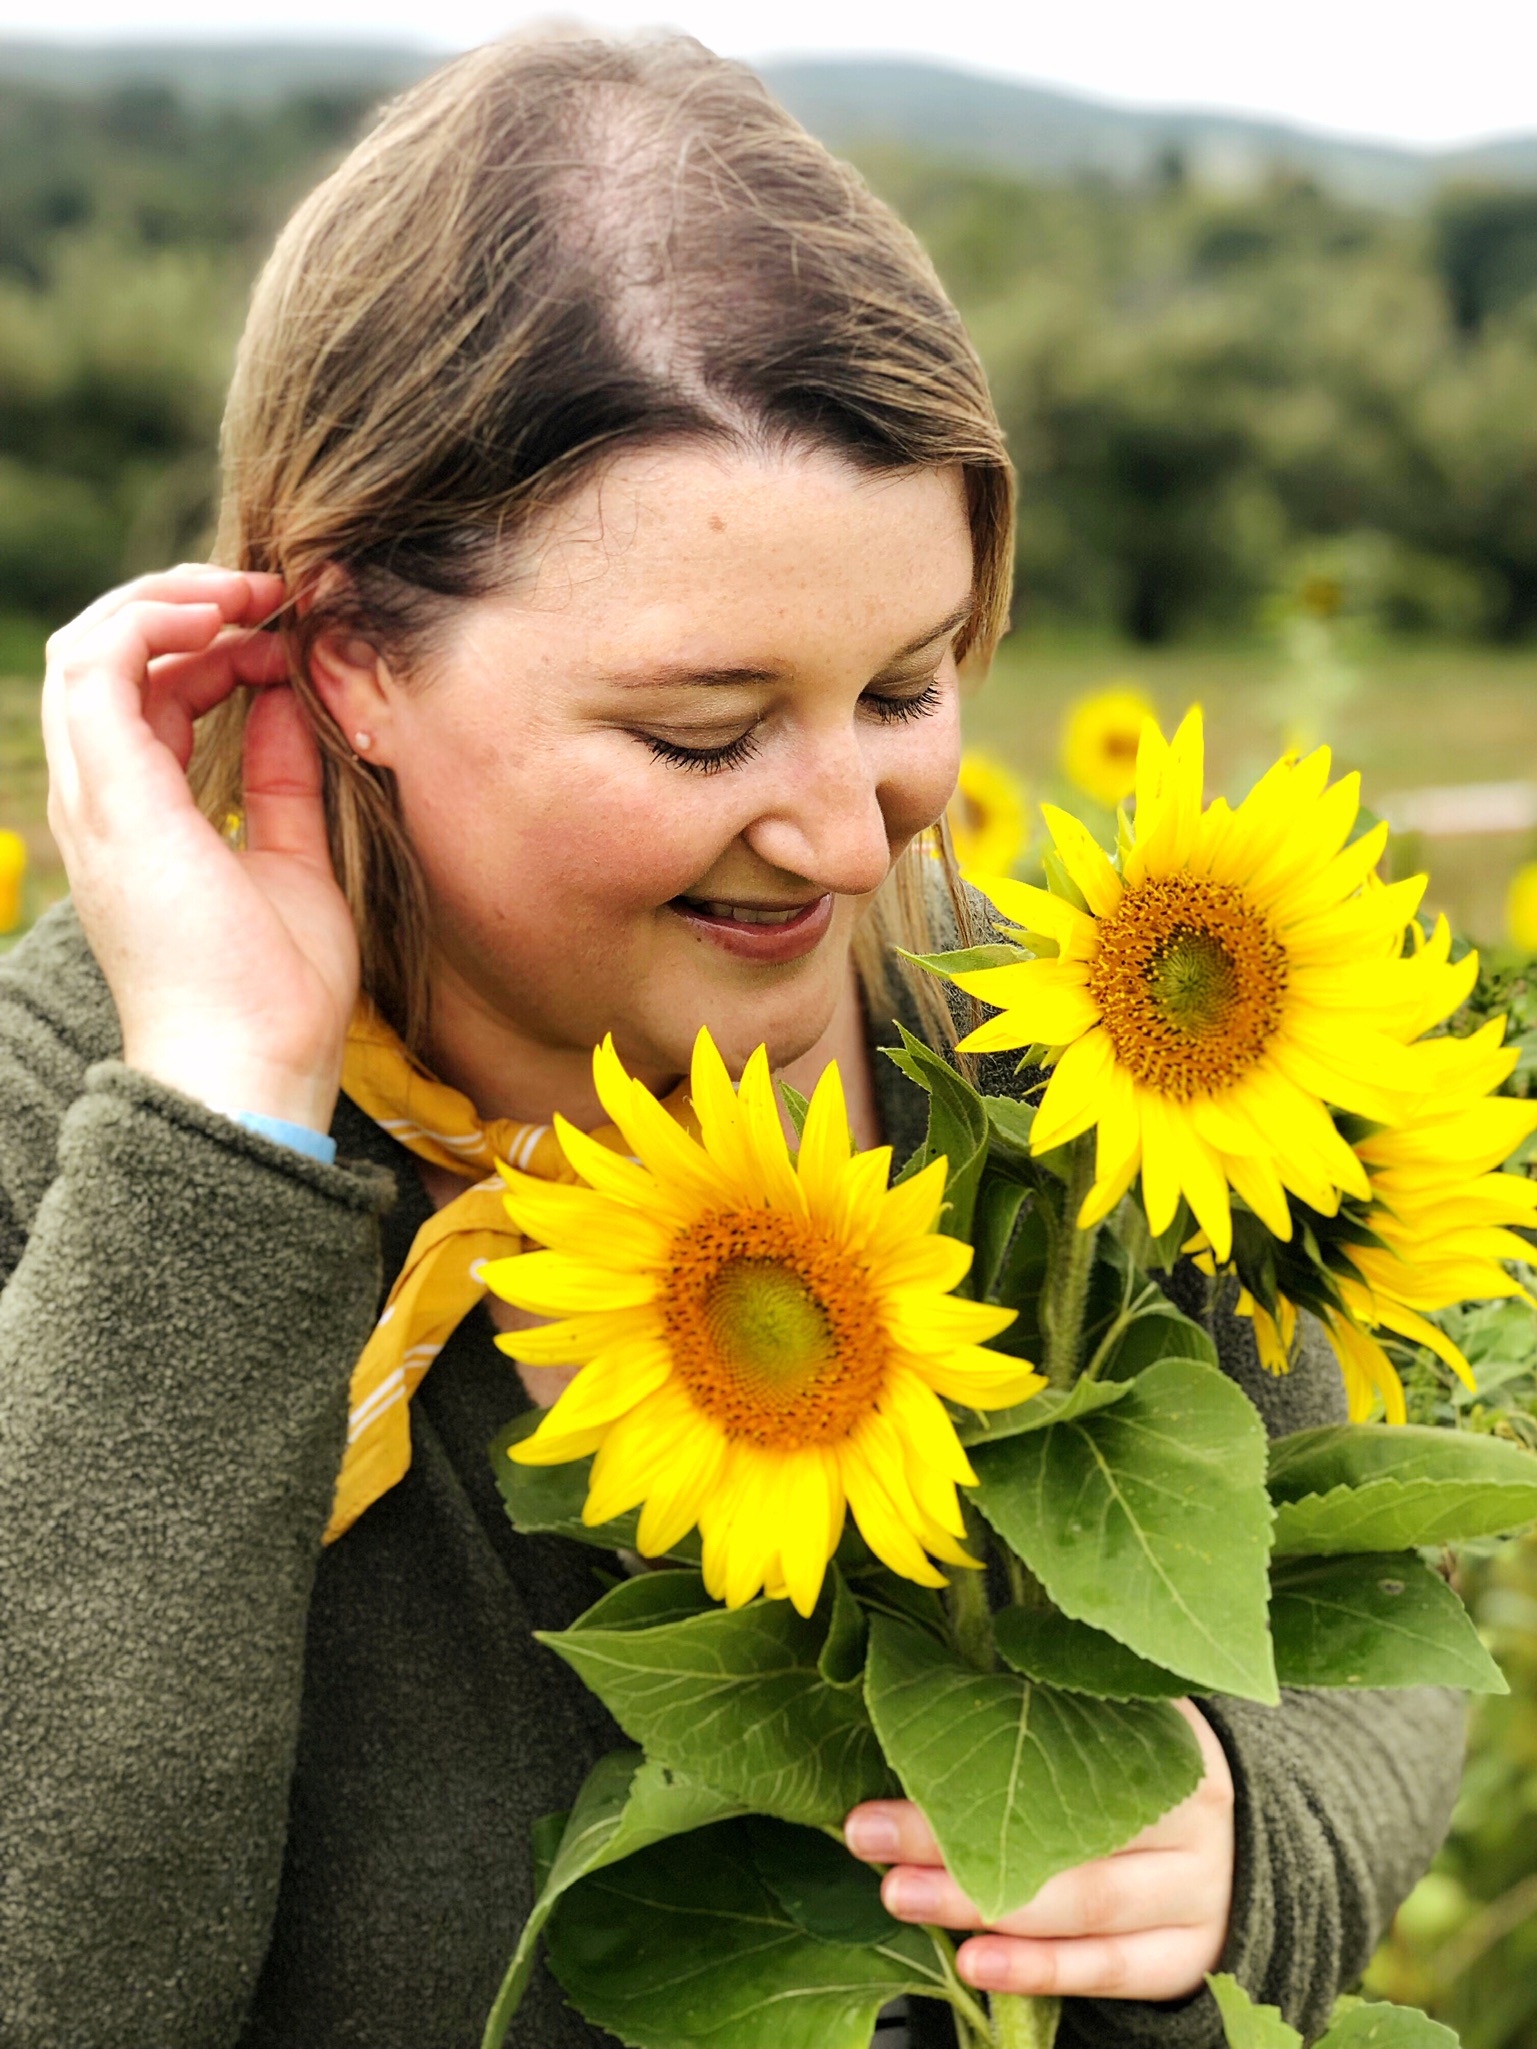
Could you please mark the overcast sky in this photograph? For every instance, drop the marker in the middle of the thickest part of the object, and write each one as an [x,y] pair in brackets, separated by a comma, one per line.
[1420,71]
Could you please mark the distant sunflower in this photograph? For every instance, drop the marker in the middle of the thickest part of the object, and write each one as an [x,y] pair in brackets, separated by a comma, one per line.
[1100,737]
[1206,1004]
[987,818]
[13,875]
[765,1340]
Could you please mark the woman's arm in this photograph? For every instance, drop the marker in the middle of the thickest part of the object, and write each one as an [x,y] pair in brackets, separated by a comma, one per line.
[176,1334]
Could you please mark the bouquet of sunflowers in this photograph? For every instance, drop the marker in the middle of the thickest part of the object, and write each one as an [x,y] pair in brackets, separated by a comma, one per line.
[944,1494]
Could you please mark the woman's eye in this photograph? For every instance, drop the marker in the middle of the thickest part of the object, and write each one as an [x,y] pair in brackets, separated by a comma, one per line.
[890,709]
[707,760]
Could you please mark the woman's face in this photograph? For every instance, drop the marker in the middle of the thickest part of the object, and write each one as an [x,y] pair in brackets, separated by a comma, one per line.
[657,783]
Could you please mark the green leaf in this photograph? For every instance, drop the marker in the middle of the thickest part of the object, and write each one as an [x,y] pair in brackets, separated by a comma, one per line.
[688,1945]
[1387,2027]
[1375,1487]
[821,1886]
[1246,2025]
[957,1128]
[1384,1619]
[734,1697]
[1019,1782]
[1010,1121]
[1051,1405]
[547,1500]
[627,1803]
[999,1201]
[966,960]
[1149,1520]
[797,1105]
[1057,1651]
[1142,1325]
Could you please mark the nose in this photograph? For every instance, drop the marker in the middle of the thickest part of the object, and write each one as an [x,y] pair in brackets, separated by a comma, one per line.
[827,825]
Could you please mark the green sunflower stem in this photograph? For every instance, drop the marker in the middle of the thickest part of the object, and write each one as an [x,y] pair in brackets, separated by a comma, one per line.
[1070,1264]
[1022,2023]
[966,1602]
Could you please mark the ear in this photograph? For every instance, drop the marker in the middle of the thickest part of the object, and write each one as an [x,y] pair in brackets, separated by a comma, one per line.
[354,682]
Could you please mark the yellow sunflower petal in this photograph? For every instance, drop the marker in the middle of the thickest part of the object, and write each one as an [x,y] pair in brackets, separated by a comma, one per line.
[1085,860]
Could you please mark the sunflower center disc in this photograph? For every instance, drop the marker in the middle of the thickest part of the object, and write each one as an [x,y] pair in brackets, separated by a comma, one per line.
[773,1328]
[1190,982]
[767,1324]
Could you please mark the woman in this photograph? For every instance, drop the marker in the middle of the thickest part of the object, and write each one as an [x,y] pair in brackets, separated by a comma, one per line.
[627,495]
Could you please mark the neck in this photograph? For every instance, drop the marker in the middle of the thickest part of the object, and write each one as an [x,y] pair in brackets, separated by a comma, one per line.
[509,1073]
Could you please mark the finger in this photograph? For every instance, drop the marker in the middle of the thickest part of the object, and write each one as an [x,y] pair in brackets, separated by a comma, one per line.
[180,689]
[122,767]
[1156,1964]
[1115,1896]
[244,596]
[890,1832]
[284,810]
[1208,1808]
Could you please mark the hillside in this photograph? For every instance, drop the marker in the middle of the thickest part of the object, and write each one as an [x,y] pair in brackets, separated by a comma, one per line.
[969,116]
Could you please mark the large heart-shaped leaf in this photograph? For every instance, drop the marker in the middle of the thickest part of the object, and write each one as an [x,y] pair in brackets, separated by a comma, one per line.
[690,1945]
[1057,1651]
[1361,1487]
[1017,1780]
[1383,1619]
[1149,1520]
[734,1697]
[627,1803]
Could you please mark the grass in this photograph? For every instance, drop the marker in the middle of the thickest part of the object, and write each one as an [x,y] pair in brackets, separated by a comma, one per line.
[1405,715]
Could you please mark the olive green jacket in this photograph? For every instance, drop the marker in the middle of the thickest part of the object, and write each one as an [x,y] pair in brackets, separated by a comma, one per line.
[256,1794]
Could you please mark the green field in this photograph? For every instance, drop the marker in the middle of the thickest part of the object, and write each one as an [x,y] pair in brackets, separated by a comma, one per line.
[1407,715]
[1411,715]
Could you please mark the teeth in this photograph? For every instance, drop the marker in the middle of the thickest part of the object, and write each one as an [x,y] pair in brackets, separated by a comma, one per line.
[745,914]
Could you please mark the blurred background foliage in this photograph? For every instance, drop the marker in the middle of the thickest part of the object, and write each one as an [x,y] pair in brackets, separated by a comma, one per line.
[1277,451]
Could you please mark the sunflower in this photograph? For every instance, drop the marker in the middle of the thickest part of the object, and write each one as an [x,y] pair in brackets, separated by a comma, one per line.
[1099,743]
[1203,1005]
[13,874]
[987,818]
[1521,907]
[1438,1229]
[764,1340]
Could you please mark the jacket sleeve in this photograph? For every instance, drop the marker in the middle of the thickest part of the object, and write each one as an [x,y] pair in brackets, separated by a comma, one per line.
[182,1304]
[1342,1798]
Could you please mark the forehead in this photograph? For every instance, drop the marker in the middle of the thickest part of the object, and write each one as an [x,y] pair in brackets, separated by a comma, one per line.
[710,543]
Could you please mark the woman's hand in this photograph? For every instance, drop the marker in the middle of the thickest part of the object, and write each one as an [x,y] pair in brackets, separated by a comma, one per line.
[1147,1923]
[234,972]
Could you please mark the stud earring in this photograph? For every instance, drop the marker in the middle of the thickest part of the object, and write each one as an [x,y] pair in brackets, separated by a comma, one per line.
[362,742]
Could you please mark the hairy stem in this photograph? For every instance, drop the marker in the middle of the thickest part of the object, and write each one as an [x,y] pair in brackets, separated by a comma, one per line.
[971,1617]
[1022,2023]
[1069,1266]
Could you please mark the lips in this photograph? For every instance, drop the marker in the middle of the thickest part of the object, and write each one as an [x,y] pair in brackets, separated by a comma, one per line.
[766,933]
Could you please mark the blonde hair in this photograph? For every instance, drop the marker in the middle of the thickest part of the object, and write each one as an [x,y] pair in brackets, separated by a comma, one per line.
[549,251]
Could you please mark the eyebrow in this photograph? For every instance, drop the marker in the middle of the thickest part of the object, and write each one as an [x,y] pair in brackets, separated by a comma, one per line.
[682,674]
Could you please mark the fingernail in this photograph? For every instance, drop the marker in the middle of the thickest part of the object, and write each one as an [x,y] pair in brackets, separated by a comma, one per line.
[911,1892]
[985,1965]
[871,1835]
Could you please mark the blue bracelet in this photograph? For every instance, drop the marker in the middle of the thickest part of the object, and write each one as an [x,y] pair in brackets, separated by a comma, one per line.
[315,1145]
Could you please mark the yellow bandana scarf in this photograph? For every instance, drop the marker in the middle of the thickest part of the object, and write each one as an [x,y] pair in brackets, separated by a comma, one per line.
[440,1282]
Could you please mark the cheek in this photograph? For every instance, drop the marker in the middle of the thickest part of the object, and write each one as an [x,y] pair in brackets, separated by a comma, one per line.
[574,832]
[919,780]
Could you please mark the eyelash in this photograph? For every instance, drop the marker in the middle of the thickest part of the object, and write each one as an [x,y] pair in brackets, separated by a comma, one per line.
[711,760]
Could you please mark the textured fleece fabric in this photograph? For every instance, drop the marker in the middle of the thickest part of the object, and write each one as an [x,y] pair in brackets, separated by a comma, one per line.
[255,1794]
